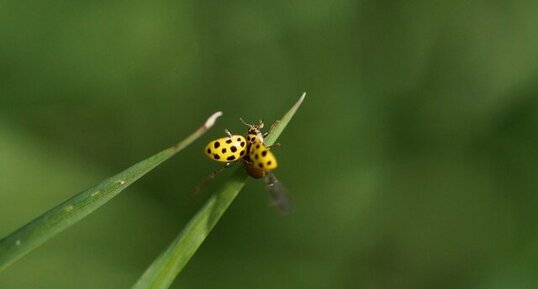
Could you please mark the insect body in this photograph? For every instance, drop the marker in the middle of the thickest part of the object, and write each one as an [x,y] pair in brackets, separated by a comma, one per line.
[227,149]
[258,161]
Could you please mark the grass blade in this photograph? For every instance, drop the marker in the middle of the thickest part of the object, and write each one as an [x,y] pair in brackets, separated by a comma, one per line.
[52,222]
[167,266]
[283,122]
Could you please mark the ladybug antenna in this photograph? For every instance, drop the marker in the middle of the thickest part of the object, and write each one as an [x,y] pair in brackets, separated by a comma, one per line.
[256,127]
[245,123]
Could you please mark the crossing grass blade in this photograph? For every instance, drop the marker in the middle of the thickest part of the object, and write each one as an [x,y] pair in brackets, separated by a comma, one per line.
[32,235]
[162,272]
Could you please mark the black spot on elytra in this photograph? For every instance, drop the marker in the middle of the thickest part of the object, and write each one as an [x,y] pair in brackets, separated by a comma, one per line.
[269,163]
[233,149]
[238,139]
[258,146]
[264,153]
[242,143]
[216,156]
[223,150]
[229,140]
[260,165]
[231,158]
[242,153]
[208,150]
[216,144]
[256,156]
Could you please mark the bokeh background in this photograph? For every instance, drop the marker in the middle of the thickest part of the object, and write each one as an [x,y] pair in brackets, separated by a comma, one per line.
[412,163]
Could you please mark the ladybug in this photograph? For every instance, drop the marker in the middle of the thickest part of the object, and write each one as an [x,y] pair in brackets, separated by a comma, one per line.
[258,161]
[227,149]
[259,158]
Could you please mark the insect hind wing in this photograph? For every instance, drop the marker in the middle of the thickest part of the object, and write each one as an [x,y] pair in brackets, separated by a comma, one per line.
[278,194]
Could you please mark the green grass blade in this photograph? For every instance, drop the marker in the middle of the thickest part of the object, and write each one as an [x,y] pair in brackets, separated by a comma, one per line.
[283,122]
[52,222]
[167,266]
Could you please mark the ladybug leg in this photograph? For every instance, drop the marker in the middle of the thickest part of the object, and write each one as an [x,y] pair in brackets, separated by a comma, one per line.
[276,145]
[228,133]
[210,177]
[245,123]
[271,128]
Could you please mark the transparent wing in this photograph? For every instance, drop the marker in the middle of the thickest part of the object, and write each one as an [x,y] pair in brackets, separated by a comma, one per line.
[278,194]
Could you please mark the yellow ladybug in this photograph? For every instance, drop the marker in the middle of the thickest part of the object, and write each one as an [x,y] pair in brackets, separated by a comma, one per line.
[259,159]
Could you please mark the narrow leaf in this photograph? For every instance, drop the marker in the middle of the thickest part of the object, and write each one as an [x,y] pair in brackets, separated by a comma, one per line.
[169,264]
[46,226]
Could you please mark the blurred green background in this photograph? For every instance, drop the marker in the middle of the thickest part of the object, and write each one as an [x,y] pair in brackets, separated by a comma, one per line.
[412,163]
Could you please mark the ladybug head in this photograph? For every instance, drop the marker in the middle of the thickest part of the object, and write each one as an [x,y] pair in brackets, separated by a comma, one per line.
[253,128]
